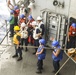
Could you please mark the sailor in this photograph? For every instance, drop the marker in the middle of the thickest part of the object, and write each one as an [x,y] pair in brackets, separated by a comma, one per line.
[12,23]
[30,29]
[57,55]
[22,19]
[22,9]
[16,14]
[41,53]
[17,41]
[36,35]
[40,25]
[72,36]
[24,35]
[16,10]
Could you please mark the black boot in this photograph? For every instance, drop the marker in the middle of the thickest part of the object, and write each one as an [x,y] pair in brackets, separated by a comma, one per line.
[26,49]
[20,58]
[39,71]
[14,56]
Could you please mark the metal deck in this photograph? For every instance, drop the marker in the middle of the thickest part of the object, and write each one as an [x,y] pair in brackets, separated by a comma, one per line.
[27,66]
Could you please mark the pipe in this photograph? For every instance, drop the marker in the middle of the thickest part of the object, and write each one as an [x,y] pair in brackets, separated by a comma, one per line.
[68,23]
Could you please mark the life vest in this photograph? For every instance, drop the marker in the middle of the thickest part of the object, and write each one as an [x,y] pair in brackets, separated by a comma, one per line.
[16,12]
[15,40]
[43,54]
[41,29]
[34,34]
[22,20]
[72,31]
[12,21]
[30,23]
[23,34]
[60,56]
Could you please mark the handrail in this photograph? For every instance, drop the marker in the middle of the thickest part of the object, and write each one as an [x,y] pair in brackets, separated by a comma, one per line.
[4,37]
[5,34]
[2,26]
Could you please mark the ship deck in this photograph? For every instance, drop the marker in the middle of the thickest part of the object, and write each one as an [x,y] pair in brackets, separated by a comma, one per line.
[27,66]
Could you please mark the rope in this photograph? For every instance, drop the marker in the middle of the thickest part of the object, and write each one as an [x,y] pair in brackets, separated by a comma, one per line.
[63,64]
[31,46]
[24,46]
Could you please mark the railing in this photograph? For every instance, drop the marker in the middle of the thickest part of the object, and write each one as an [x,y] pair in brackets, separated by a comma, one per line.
[3,31]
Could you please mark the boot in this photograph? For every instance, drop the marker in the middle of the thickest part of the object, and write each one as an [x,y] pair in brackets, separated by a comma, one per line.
[26,49]
[20,58]
[41,68]
[39,71]
[14,56]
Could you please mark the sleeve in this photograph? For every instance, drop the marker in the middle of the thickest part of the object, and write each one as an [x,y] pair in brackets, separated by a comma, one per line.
[42,27]
[19,38]
[26,10]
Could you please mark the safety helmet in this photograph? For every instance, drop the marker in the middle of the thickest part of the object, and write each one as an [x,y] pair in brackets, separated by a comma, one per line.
[30,17]
[12,11]
[39,18]
[42,41]
[74,25]
[22,16]
[34,23]
[55,43]
[30,5]
[22,5]
[15,7]
[16,28]
[23,24]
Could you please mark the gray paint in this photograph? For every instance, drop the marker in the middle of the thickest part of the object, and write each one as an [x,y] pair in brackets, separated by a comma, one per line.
[68,10]
[42,4]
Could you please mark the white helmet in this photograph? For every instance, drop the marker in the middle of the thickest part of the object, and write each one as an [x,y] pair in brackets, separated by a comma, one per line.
[34,23]
[30,5]
[22,5]
[23,24]
[39,18]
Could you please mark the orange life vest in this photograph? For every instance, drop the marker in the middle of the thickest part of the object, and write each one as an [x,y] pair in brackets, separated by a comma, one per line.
[29,24]
[72,31]
[22,20]
[17,11]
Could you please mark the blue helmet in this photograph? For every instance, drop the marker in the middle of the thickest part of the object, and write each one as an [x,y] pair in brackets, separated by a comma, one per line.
[12,11]
[22,16]
[74,25]
[42,41]
[15,7]
[55,43]
[30,17]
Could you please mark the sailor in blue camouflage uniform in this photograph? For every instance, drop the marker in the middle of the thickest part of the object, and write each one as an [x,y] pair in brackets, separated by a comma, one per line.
[41,53]
[57,56]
